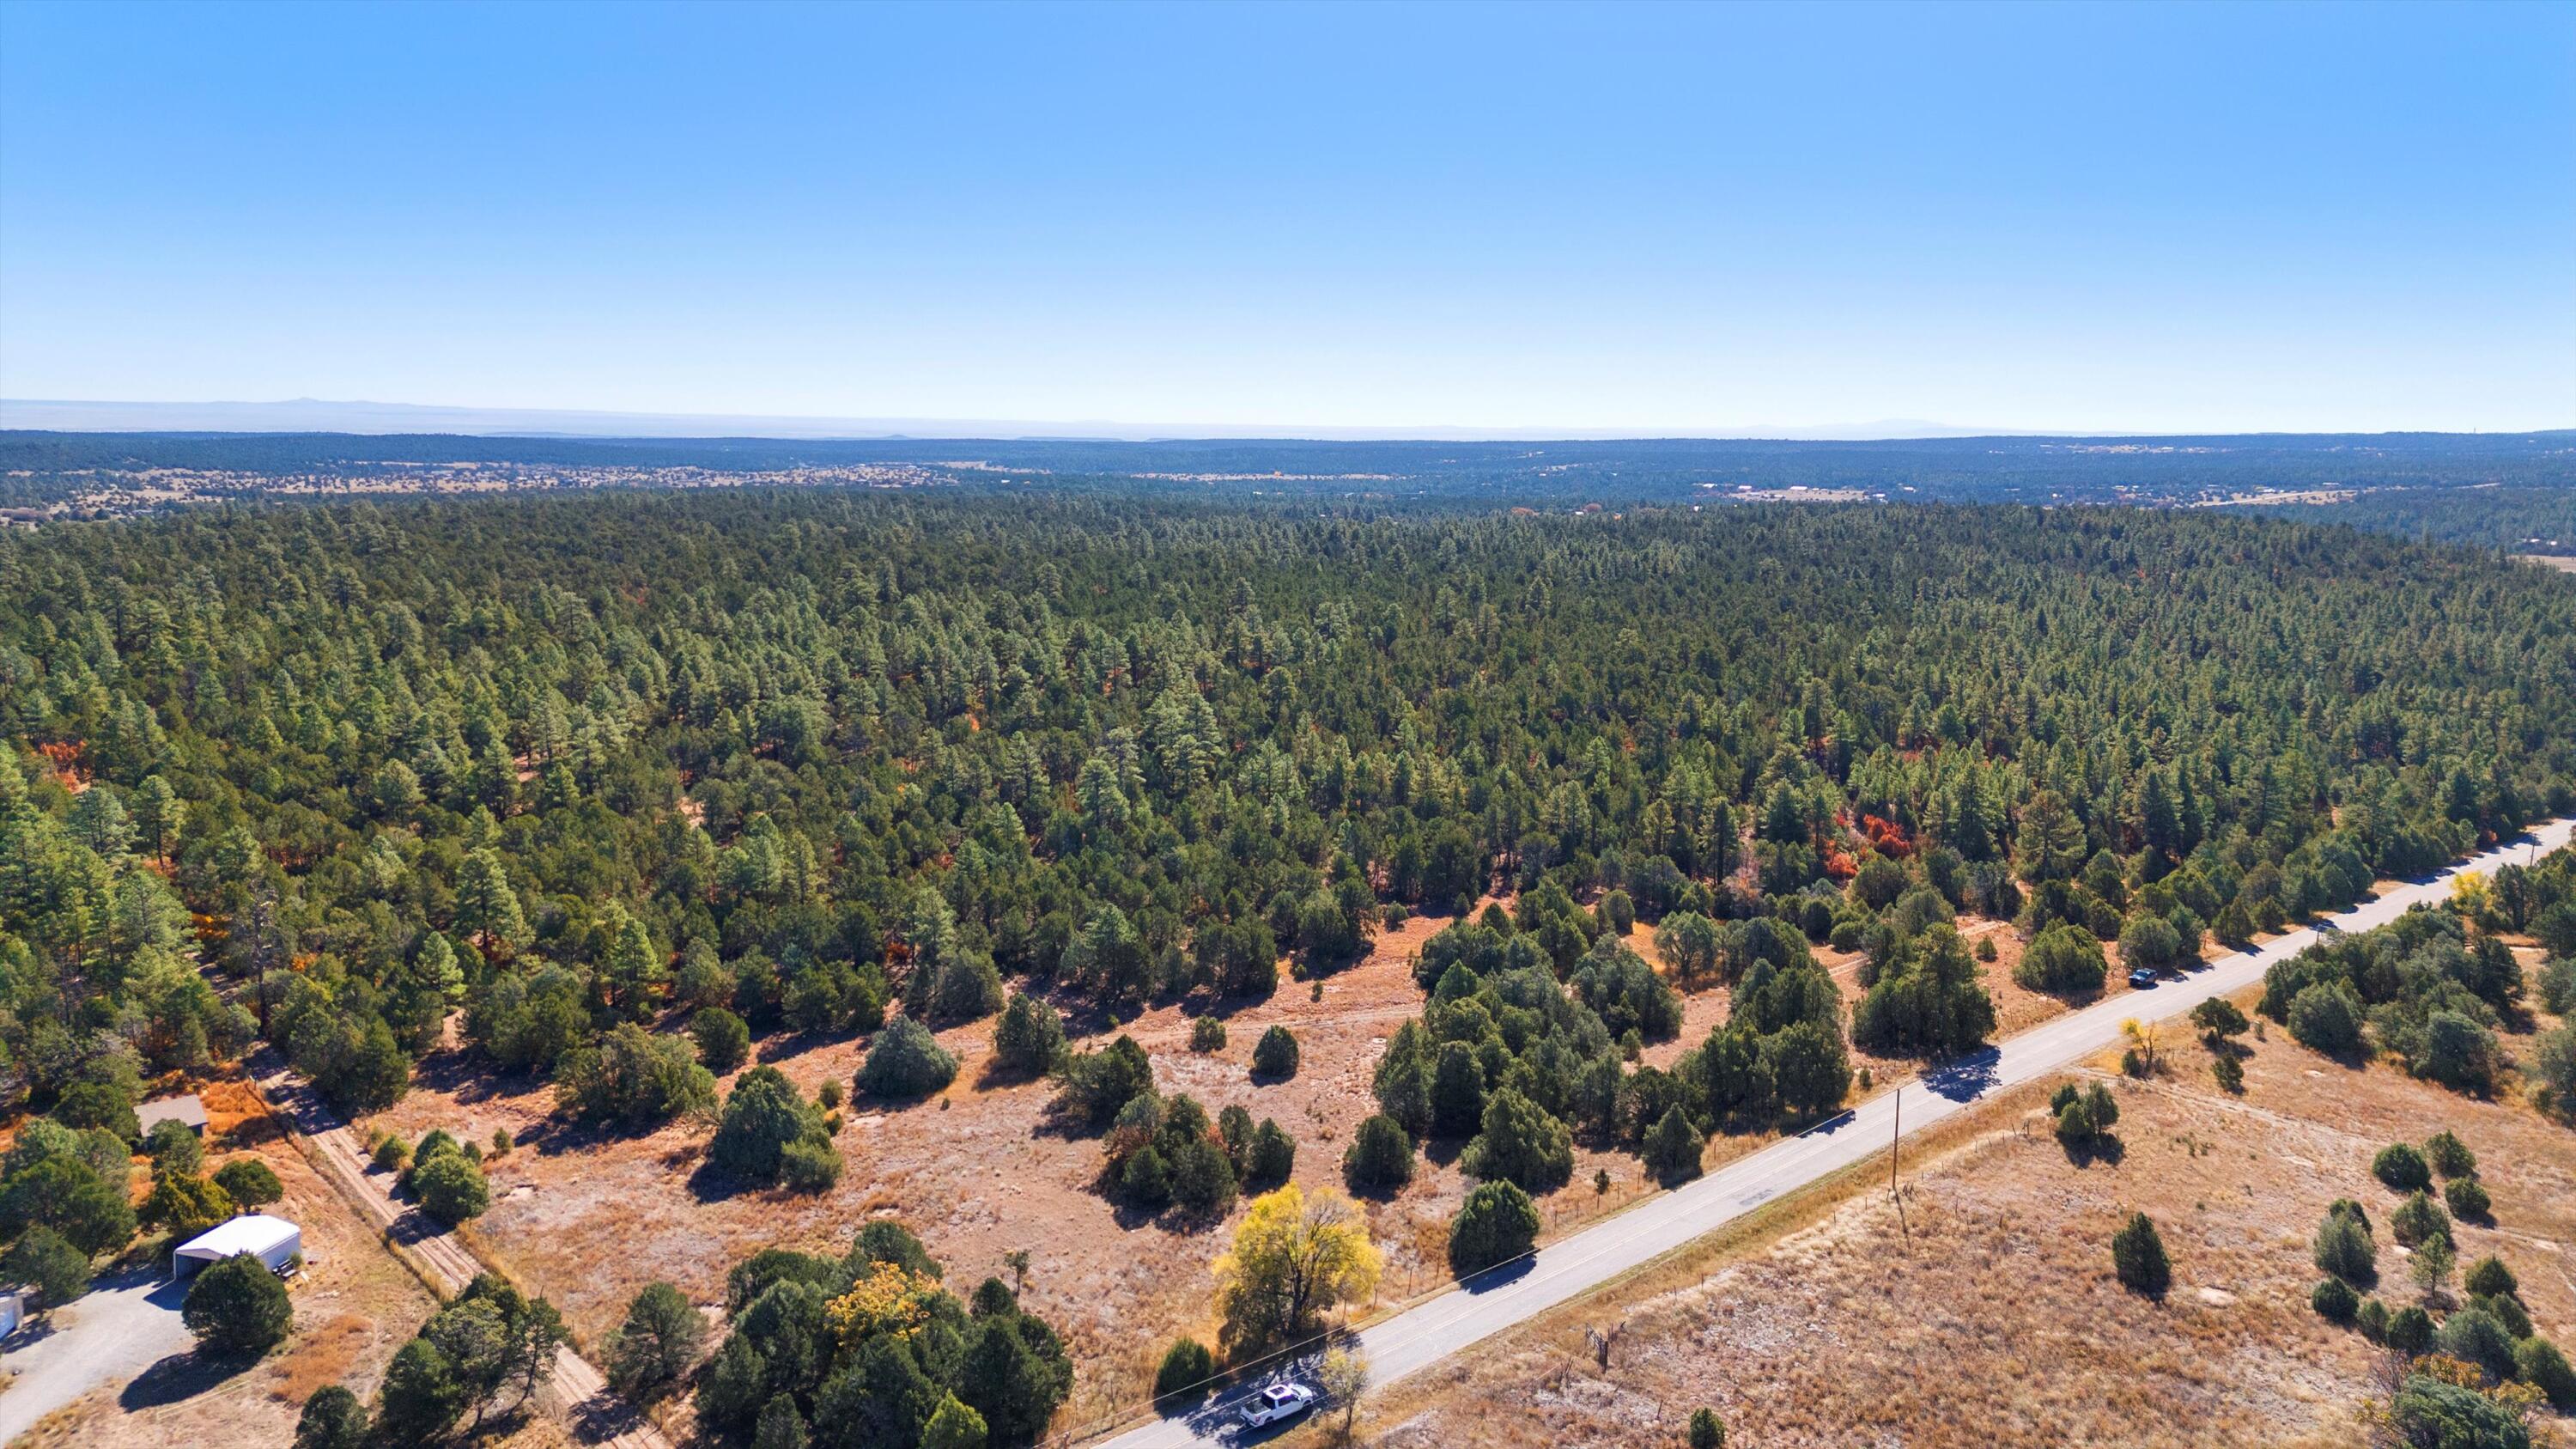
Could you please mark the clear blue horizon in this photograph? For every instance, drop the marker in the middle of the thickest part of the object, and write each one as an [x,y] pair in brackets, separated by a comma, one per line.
[1653,220]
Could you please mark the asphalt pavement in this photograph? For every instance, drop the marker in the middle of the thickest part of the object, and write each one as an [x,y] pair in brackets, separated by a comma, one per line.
[1413,1340]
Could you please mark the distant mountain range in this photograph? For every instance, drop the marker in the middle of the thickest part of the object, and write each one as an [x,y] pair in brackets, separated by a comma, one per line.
[313,415]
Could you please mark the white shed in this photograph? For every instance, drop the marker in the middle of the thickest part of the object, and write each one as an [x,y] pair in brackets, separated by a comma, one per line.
[273,1241]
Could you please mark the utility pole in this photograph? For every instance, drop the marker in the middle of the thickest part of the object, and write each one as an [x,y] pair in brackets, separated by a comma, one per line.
[1895,1136]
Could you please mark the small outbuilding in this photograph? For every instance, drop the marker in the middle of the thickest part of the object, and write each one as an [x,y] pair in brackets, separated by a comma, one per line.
[274,1241]
[187,1111]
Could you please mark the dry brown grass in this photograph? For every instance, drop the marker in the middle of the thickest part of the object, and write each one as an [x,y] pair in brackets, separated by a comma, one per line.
[1997,1322]
[978,1172]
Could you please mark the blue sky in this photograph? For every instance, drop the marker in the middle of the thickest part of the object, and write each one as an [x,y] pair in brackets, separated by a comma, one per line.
[1666,219]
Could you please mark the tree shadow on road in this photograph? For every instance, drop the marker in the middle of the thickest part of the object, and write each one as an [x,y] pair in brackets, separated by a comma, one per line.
[1967,1078]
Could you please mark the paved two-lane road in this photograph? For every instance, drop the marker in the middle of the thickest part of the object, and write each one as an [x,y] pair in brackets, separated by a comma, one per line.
[1421,1336]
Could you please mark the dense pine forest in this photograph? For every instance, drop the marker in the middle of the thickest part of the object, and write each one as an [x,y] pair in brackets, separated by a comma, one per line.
[574,763]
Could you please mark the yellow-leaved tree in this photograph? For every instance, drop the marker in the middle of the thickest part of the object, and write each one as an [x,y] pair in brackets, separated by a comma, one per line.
[2473,896]
[890,1299]
[1294,1258]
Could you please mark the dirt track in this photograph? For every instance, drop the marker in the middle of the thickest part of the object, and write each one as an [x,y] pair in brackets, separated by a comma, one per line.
[579,1392]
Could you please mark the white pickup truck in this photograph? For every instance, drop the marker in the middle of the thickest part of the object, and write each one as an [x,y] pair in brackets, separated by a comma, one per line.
[1277,1402]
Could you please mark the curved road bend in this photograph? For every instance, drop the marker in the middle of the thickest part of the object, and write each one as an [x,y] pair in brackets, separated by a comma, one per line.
[1421,1336]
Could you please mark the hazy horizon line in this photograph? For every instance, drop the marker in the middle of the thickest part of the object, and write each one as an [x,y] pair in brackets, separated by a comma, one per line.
[364,417]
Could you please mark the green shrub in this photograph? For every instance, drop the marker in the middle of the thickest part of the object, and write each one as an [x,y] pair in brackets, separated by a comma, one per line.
[2473,1335]
[237,1306]
[1207,1034]
[763,1117]
[809,1165]
[1186,1369]
[1275,1055]
[2334,1301]
[2372,1320]
[953,1425]
[2537,1362]
[174,1149]
[2229,1075]
[421,1396]
[2558,985]
[2138,1256]
[1522,1142]
[1674,1146]
[1272,1158]
[782,1424]
[1498,1223]
[2418,1218]
[1029,1039]
[186,1205]
[658,1341]
[2062,959]
[2326,1017]
[249,1182]
[2410,1330]
[1099,1085]
[1380,1158]
[2449,1156]
[905,1061]
[2402,1168]
[84,1105]
[724,1042]
[1707,1431]
[450,1188]
[2219,1019]
[2085,1117]
[392,1155]
[332,1419]
[632,1077]
[2466,1199]
[65,1195]
[2434,1411]
[2490,1278]
[2509,1312]
[44,1261]
[2345,1248]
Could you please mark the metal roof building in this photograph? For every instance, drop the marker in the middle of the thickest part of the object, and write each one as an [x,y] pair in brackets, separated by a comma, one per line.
[274,1241]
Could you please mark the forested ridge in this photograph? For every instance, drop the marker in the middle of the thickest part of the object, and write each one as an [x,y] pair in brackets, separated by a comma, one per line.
[569,763]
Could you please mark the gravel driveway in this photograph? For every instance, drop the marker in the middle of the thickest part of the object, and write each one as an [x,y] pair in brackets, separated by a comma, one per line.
[121,1327]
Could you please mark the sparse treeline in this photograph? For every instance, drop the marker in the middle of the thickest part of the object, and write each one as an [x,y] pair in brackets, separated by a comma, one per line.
[568,763]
